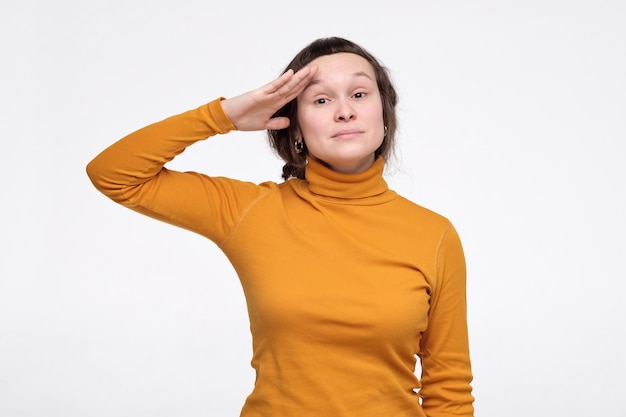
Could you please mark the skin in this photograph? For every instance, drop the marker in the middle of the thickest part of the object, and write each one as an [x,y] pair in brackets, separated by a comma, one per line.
[340,116]
[253,110]
[340,113]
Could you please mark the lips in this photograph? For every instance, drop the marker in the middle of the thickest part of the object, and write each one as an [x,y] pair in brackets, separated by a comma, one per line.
[347,133]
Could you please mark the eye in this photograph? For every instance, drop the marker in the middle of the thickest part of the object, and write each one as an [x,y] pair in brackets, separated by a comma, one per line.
[360,94]
[320,101]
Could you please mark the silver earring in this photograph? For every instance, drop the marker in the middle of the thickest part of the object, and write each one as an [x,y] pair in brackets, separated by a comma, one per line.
[385,131]
[299,146]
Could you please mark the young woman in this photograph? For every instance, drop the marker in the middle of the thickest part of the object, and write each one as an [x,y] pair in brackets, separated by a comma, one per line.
[346,282]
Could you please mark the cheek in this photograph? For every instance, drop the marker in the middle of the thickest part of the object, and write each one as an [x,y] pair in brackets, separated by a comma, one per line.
[373,112]
[377,120]
[310,123]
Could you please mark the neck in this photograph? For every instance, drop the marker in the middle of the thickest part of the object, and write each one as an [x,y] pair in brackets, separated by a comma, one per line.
[348,168]
[324,181]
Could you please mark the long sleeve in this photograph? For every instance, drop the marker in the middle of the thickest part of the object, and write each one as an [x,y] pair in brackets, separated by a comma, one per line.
[344,280]
[446,368]
[131,172]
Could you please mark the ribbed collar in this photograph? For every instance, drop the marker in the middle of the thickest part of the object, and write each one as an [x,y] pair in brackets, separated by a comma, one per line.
[323,181]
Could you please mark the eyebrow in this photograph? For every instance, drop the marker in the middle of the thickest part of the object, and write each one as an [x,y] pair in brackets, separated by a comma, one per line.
[355,75]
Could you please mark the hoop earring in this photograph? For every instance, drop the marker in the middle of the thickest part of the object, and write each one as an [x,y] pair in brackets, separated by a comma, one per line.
[299,146]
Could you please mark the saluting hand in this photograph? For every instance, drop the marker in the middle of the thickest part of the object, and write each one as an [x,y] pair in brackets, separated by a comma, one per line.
[253,110]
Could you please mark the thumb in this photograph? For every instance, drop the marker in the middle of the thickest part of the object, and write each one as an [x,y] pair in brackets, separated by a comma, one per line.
[277,123]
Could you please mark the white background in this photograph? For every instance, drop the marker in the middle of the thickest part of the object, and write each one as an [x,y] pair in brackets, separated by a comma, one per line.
[512,124]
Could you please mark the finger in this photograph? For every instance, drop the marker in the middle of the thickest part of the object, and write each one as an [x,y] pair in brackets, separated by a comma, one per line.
[295,83]
[277,123]
[273,86]
[301,79]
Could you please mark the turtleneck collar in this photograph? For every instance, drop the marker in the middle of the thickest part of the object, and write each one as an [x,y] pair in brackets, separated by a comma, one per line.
[323,181]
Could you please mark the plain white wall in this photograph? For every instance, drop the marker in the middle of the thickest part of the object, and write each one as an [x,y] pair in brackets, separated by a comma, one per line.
[513,122]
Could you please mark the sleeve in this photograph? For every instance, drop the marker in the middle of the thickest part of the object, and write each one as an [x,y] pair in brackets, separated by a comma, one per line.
[444,349]
[132,172]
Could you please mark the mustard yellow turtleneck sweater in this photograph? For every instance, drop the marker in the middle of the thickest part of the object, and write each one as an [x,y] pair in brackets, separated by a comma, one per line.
[345,281]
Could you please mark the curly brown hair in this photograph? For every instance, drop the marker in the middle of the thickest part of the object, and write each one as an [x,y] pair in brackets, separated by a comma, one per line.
[282,141]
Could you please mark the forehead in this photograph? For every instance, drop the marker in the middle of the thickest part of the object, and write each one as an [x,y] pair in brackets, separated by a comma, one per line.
[342,64]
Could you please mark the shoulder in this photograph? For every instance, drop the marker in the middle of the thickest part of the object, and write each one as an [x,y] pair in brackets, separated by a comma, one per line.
[423,215]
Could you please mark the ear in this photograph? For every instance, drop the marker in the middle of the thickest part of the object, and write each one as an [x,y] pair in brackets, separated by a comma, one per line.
[297,134]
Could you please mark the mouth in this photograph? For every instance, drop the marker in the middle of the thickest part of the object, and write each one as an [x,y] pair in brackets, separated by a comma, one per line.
[347,134]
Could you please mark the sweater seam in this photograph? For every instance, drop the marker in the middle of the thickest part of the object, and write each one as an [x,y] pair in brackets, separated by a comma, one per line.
[241,217]
[437,268]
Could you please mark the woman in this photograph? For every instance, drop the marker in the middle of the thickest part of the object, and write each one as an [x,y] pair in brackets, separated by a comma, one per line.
[345,281]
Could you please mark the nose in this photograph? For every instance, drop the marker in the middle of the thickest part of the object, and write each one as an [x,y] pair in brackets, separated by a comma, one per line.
[345,112]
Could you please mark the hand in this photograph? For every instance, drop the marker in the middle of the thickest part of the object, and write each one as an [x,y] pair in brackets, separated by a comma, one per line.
[253,110]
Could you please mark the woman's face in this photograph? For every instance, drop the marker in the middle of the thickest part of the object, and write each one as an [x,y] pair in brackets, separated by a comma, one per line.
[340,113]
